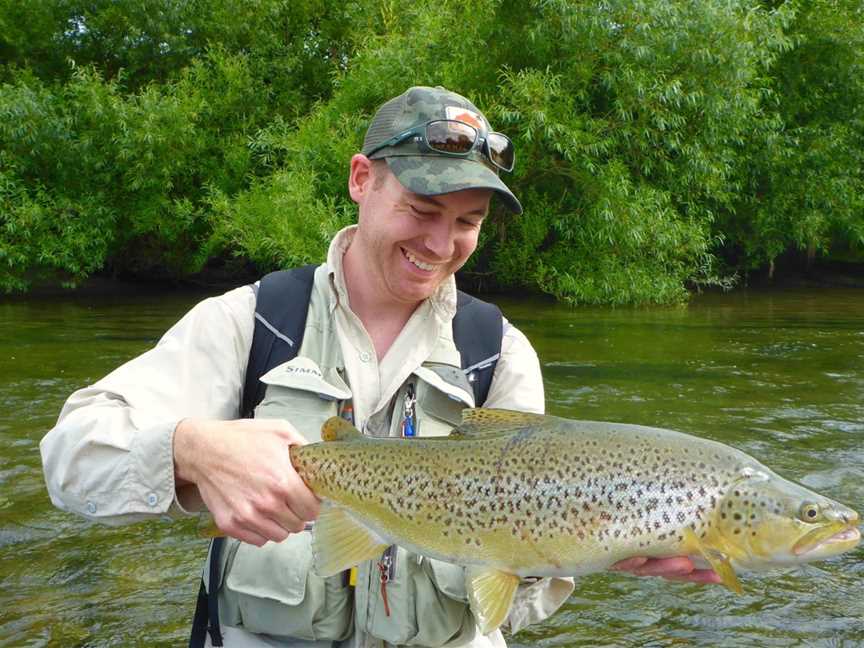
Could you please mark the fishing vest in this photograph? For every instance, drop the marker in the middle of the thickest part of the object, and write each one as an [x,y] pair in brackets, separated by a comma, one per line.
[295,373]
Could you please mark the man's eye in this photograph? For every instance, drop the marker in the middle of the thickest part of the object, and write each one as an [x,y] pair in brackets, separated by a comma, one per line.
[417,212]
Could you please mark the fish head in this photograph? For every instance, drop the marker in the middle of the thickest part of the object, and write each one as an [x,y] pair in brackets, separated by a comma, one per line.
[769,521]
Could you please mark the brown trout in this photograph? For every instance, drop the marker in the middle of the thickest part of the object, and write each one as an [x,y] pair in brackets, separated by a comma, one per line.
[510,494]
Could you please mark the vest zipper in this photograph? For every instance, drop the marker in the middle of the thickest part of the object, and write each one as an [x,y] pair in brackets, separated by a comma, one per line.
[387,572]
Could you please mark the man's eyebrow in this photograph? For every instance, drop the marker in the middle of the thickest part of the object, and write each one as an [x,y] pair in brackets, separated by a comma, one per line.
[427,199]
[480,211]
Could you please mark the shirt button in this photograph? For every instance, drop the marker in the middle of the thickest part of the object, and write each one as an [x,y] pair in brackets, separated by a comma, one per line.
[152,499]
[91,507]
[365,356]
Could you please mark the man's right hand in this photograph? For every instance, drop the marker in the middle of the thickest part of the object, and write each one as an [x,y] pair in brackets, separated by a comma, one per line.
[242,470]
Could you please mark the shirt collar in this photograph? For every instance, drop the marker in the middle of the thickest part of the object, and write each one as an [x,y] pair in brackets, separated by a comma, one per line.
[442,301]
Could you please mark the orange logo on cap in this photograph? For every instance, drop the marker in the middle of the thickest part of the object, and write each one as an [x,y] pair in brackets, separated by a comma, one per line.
[468,118]
[465,116]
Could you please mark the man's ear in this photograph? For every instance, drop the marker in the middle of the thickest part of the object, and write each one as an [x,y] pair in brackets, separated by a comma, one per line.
[360,178]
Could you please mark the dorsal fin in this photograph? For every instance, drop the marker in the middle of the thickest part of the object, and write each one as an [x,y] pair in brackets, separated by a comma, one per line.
[490,422]
[338,429]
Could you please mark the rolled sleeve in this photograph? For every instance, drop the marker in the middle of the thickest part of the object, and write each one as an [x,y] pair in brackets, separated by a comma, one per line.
[110,457]
[537,601]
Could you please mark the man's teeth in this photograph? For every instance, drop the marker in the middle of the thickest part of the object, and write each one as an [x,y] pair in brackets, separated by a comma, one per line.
[428,267]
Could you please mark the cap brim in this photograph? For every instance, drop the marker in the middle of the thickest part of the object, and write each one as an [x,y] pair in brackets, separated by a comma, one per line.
[435,175]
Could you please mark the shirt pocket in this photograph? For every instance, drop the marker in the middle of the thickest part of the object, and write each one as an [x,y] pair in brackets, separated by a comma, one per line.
[273,590]
[442,392]
[304,394]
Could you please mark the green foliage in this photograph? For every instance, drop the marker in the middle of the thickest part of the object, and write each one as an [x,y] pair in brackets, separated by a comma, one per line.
[653,137]
[805,178]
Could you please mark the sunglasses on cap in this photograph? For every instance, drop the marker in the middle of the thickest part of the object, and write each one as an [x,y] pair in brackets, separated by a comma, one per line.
[456,138]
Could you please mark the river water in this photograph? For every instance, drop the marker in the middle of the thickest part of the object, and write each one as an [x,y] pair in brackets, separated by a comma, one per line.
[779,375]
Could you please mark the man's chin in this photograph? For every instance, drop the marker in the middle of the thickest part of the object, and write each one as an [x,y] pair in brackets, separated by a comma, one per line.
[416,292]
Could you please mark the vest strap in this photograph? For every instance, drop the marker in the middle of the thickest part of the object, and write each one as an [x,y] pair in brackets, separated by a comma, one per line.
[478,328]
[281,307]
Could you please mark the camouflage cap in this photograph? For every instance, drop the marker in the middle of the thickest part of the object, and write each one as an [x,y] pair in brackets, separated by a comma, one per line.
[423,170]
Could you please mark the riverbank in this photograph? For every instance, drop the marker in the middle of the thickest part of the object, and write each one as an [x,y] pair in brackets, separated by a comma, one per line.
[220,277]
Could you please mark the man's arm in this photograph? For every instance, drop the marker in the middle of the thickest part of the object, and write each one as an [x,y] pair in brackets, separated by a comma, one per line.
[111,456]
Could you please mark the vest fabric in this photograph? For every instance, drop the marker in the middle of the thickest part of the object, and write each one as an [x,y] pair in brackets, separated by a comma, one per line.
[297,375]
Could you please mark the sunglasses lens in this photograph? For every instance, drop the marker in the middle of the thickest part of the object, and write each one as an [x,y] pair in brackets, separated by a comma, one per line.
[450,136]
[501,151]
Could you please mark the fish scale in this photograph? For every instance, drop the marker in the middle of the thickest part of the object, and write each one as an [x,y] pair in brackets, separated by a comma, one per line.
[511,495]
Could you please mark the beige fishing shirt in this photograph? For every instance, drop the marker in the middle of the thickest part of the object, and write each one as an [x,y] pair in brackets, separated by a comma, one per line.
[110,456]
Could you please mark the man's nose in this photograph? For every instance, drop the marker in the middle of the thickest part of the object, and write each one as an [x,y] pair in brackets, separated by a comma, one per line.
[439,239]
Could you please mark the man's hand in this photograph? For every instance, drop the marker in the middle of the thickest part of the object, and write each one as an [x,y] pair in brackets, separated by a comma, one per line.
[678,568]
[243,472]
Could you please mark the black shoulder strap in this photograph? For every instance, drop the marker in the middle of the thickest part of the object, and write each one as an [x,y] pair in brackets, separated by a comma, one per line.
[282,303]
[478,328]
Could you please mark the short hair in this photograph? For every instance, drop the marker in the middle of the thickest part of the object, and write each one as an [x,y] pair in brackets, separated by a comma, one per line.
[380,171]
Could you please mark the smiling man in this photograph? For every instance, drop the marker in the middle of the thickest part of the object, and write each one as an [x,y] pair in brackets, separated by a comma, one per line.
[173,430]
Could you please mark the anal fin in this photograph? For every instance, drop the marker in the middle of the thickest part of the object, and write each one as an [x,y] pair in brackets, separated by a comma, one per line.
[718,560]
[339,541]
[490,593]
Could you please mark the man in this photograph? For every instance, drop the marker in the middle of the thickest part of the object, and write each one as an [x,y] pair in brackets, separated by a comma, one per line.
[160,434]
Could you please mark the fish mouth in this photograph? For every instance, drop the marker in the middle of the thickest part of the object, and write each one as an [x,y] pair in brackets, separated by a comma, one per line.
[845,538]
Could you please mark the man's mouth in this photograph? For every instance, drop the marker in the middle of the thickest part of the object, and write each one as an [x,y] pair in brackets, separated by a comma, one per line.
[428,267]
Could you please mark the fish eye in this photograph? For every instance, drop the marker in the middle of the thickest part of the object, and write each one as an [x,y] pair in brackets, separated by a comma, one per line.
[809,512]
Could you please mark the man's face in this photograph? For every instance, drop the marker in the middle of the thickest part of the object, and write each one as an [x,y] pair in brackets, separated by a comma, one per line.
[411,243]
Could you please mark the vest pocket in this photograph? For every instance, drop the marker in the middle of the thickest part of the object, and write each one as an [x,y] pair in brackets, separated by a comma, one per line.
[449,578]
[272,590]
[442,393]
[427,601]
[303,394]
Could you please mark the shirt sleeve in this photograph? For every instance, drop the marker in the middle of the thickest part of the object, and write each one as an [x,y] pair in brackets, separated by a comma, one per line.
[110,456]
[518,385]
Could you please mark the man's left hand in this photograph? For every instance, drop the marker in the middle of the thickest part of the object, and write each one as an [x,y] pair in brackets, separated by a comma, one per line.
[677,568]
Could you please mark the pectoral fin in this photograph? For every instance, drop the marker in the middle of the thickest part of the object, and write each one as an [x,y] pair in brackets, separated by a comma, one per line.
[718,560]
[490,593]
[339,541]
